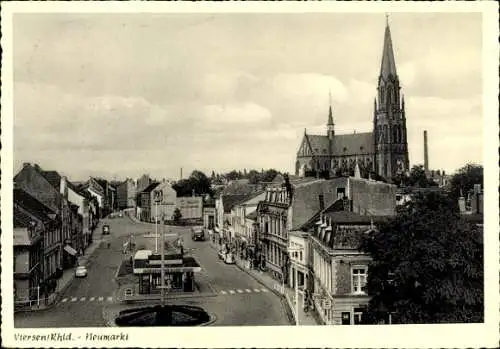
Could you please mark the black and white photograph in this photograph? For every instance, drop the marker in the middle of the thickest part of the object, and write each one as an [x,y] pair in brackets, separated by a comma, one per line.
[259,174]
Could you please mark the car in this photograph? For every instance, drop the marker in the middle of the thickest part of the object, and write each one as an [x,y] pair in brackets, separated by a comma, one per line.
[120,215]
[197,234]
[229,258]
[81,271]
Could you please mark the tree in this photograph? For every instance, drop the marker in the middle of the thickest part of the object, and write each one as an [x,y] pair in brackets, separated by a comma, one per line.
[427,265]
[418,178]
[197,181]
[177,215]
[233,175]
[269,175]
[253,177]
[465,178]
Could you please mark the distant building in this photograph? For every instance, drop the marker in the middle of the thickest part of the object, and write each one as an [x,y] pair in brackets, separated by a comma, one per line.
[126,194]
[145,203]
[190,207]
[383,151]
[209,214]
[143,182]
[165,208]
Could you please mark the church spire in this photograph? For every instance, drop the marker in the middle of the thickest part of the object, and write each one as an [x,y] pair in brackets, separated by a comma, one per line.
[388,66]
[330,113]
[330,126]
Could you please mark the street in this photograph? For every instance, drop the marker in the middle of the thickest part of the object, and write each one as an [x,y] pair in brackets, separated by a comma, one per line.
[236,298]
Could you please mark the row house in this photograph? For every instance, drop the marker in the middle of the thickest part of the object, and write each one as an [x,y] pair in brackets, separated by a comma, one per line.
[162,208]
[126,193]
[243,227]
[96,191]
[37,246]
[143,182]
[73,234]
[110,203]
[326,259]
[145,201]
[209,214]
[32,180]
[283,208]
[224,230]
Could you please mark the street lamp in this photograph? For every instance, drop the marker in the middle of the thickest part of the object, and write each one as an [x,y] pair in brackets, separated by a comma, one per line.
[290,251]
[158,198]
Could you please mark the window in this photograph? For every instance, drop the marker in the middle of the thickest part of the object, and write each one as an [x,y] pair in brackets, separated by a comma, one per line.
[359,275]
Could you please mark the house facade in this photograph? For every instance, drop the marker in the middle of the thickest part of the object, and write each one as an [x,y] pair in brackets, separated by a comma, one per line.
[126,194]
[339,269]
[145,203]
[37,244]
[164,209]
[32,181]
[191,207]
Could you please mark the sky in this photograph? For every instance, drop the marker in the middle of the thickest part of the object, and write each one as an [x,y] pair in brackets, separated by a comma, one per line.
[119,95]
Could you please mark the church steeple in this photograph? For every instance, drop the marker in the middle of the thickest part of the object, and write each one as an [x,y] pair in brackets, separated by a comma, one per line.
[389,124]
[388,66]
[330,126]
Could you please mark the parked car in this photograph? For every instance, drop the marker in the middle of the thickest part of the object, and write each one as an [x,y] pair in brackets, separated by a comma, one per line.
[81,271]
[229,258]
[197,234]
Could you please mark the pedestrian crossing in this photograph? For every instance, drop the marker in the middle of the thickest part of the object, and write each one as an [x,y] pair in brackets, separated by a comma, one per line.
[87,299]
[237,291]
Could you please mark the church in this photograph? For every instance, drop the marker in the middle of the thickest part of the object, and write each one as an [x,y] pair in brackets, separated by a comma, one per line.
[380,153]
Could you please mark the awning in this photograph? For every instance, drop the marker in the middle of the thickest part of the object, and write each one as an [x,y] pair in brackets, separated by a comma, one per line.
[70,250]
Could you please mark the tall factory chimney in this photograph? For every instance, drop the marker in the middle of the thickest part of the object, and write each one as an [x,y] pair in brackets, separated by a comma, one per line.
[426,153]
[181,173]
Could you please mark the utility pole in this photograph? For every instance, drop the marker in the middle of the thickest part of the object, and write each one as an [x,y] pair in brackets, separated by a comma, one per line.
[163,267]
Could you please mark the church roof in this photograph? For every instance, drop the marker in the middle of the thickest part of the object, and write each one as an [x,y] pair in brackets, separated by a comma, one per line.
[388,66]
[356,143]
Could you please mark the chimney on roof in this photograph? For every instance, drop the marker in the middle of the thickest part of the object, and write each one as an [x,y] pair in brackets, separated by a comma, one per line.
[26,164]
[426,153]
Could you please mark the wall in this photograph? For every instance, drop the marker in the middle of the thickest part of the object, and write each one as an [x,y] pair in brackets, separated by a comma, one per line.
[168,203]
[207,212]
[306,199]
[37,186]
[372,198]
[190,207]
[22,261]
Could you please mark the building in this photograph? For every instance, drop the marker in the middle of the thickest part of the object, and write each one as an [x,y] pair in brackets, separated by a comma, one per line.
[191,207]
[209,214]
[179,271]
[223,206]
[37,245]
[145,203]
[340,270]
[143,182]
[95,190]
[32,180]
[383,151]
[164,209]
[126,194]
[110,203]
[242,228]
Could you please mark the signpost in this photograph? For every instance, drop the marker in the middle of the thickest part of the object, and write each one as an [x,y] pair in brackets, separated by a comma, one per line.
[158,198]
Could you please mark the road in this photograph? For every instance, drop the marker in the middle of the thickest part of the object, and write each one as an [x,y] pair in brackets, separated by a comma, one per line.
[240,300]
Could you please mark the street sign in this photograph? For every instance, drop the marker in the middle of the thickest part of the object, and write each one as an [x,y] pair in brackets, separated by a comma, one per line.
[158,196]
[129,292]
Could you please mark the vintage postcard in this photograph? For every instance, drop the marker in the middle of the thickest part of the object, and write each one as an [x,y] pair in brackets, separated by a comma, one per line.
[250,174]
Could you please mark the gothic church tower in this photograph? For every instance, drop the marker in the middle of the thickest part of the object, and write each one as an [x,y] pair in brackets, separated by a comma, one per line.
[389,121]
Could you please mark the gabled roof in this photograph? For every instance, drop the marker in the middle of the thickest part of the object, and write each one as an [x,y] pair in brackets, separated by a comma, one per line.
[150,187]
[346,144]
[229,201]
[30,205]
[53,178]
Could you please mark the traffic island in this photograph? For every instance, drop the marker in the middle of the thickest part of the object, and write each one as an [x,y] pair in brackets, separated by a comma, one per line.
[166,315]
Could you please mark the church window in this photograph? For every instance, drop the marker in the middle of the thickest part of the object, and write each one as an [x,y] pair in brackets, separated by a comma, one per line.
[385,134]
[345,149]
[394,134]
[361,148]
[385,168]
[401,131]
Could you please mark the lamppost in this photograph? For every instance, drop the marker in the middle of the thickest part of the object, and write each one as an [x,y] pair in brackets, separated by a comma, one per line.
[158,198]
[292,250]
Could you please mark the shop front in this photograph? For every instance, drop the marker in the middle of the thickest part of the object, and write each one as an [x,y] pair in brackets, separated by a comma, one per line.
[179,272]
